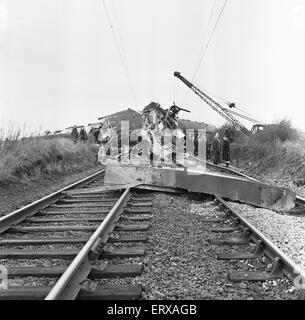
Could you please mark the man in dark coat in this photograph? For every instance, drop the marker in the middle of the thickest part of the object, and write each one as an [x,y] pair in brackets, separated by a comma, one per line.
[216,149]
[226,151]
[96,134]
[74,134]
[83,134]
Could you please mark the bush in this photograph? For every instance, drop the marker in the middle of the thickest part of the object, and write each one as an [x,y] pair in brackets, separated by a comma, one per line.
[277,132]
[277,152]
[281,131]
[32,157]
[234,134]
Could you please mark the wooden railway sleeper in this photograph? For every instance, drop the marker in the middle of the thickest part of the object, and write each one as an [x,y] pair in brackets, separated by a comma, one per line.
[258,252]
[275,273]
[243,239]
[235,226]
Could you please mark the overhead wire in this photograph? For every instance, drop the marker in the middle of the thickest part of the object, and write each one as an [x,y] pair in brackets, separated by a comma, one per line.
[210,38]
[217,96]
[119,32]
[208,43]
[247,115]
[120,49]
[123,49]
[203,41]
[238,108]
[242,116]
[207,29]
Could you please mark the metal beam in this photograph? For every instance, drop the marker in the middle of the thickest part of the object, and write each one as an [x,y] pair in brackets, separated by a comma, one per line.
[214,183]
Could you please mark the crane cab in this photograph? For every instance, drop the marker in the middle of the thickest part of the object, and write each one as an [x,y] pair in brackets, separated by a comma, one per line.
[257,128]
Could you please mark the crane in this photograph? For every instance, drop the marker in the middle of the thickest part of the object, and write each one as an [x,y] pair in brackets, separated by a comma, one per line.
[215,105]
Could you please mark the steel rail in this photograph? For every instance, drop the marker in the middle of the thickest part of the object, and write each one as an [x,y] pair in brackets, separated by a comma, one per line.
[229,170]
[71,282]
[19,215]
[288,267]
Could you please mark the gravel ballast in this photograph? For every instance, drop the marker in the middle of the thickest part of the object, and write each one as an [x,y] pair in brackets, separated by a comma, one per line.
[181,264]
[284,230]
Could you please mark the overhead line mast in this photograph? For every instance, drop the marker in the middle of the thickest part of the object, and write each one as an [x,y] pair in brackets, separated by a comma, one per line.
[213,104]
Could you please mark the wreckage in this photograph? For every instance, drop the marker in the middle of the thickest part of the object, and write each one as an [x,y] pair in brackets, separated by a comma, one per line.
[155,117]
[158,126]
[196,178]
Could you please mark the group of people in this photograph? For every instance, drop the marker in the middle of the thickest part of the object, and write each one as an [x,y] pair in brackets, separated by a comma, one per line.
[220,150]
[82,135]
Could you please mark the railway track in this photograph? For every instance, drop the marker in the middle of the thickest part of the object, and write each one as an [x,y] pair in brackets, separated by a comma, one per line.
[52,248]
[257,246]
[61,246]
[282,265]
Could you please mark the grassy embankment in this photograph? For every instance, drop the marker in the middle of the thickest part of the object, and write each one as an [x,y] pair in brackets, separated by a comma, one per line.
[31,159]
[277,154]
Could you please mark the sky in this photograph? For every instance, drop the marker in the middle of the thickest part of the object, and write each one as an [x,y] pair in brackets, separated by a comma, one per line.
[59,64]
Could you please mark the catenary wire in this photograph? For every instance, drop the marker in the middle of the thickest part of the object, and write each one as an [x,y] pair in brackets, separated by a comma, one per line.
[121,54]
[208,43]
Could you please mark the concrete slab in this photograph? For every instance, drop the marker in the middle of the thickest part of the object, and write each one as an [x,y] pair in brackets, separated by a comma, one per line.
[128,174]
[238,189]
[214,183]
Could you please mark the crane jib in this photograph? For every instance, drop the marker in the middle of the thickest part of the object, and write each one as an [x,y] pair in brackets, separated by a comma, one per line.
[213,104]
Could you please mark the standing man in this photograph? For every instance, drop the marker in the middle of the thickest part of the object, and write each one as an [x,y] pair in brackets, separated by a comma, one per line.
[83,134]
[96,134]
[74,134]
[208,147]
[226,151]
[216,148]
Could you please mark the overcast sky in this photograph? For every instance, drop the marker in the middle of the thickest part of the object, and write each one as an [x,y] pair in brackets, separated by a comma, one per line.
[59,65]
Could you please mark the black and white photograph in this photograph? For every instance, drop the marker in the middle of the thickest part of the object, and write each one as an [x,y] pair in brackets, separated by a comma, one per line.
[152,153]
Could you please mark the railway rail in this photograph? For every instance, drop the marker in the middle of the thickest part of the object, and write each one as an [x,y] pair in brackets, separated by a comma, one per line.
[58,240]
